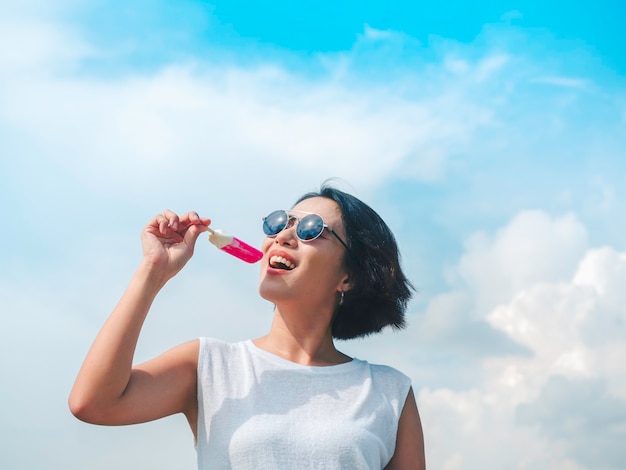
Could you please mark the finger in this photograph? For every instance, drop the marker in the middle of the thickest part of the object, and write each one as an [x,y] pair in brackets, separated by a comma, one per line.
[192,218]
[172,219]
[203,224]
[159,223]
[163,225]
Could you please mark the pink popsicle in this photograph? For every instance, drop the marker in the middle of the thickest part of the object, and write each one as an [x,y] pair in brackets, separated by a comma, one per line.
[234,246]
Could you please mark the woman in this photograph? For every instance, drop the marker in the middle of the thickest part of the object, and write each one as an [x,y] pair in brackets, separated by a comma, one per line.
[287,400]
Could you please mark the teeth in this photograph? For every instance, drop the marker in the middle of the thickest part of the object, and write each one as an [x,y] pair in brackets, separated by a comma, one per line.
[275,260]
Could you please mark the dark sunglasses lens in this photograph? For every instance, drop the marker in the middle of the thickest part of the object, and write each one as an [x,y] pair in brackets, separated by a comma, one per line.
[274,223]
[310,227]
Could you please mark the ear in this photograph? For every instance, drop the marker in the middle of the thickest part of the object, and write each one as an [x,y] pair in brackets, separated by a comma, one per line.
[344,284]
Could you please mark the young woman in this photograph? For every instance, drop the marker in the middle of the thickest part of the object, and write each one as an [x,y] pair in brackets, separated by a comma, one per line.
[287,400]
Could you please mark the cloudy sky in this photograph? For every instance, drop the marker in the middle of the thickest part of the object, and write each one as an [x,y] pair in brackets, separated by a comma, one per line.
[490,135]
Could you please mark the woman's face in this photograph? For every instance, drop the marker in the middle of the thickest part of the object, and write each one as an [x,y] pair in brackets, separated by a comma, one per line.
[313,271]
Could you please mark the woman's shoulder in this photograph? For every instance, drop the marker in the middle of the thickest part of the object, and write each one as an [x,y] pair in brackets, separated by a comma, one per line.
[386,370]
[389,377]
[218,348]
[218,345]
[208,342]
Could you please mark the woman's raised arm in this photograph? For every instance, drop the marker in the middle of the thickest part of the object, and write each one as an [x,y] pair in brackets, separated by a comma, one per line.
[108,389]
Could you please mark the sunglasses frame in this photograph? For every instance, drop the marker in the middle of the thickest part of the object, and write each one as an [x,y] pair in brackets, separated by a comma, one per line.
[298,219]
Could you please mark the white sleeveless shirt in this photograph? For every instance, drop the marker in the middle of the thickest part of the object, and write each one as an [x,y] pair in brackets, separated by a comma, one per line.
[259,411]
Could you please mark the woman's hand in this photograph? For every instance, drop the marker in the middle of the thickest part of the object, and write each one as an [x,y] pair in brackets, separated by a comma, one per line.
[168,241]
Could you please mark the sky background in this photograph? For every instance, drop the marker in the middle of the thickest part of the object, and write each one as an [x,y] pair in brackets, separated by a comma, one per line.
[491,136]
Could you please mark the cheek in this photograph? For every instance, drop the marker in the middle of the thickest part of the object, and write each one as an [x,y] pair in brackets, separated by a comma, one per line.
[329,268]
[266,244]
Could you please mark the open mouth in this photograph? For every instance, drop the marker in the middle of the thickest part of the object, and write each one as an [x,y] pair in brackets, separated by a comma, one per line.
[278,262]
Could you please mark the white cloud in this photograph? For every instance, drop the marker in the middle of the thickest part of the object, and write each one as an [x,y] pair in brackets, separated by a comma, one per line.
[128,131]
[35,45]
[604,271]
[564,404]
[377,34]
[490,65]
[212,119]
[566,82]
[582,415]
[533,247]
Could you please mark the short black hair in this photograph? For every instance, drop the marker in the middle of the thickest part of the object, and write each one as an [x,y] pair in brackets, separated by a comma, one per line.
[379,291]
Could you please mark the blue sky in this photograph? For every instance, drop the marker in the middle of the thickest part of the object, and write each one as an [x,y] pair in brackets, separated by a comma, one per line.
[326,26]
[490,135]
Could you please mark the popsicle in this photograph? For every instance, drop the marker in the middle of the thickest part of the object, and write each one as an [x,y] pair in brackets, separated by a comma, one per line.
[234,246]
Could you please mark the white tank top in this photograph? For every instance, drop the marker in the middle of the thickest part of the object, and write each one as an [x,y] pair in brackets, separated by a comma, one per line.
[259,411]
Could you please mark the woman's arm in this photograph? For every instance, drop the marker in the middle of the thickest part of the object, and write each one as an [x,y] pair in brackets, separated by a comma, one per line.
[409,454]
[108,389]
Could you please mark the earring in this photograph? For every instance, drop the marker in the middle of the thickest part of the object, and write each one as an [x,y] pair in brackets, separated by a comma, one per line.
[341,298]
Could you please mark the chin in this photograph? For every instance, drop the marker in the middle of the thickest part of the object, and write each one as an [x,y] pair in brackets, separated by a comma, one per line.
[274,289]
[271,293]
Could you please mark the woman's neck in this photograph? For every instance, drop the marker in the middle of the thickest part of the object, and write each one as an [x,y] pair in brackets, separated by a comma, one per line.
[303,337]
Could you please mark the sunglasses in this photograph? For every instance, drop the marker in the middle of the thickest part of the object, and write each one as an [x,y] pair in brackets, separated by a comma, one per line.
[308,228]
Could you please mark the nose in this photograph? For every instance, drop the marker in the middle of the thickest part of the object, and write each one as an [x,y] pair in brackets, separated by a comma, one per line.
[287,236]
